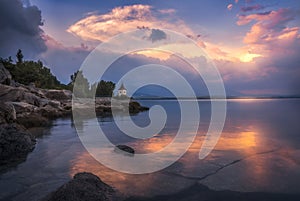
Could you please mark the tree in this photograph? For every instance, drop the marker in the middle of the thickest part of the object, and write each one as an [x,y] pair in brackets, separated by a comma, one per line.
[105,88]
[82,85]
[19,56]
[27,72]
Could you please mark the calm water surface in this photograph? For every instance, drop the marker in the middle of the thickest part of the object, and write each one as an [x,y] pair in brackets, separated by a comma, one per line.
[259,150]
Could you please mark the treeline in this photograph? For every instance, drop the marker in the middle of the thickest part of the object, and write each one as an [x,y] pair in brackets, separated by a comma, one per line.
[85,89]
[27,72]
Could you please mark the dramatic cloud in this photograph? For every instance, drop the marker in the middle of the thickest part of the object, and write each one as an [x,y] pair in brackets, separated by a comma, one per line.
[278,44]
[20,28]
[270,28]
[123,19]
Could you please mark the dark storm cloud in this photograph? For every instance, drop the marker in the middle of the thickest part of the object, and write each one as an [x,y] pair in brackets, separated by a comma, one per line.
[20,29]
[157,35]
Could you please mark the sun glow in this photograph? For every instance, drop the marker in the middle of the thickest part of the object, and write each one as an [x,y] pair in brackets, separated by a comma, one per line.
[154,54]
[248,57]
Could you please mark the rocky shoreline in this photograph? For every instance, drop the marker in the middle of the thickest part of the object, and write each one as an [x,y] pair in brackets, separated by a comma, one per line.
[23,107]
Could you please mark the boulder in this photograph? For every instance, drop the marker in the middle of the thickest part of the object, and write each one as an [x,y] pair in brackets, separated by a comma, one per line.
[34,90]
[5,76]
[7,112]
[135,107]
[58,94]
[54,103]
[83,187]
[22,107]
[49,112]
[43,102]
[17,94]
[15,144]
[30,120]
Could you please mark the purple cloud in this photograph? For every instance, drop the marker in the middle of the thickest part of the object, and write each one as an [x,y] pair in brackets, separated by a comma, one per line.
[252,8]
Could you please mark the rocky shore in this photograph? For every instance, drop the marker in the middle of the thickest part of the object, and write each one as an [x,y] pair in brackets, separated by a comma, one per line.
[23,107]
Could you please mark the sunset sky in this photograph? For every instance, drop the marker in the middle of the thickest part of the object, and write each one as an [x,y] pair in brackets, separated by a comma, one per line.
[254,44]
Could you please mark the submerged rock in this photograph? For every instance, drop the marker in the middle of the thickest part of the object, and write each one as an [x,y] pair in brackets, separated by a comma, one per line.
[124,148]
[83,187]
[15,143]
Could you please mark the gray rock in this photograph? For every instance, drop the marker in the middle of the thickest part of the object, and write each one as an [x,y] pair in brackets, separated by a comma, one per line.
[55,104]
[30,120]
[17,94]
[5,76]
[15,143]
[125,148]
[58,94]
[36,91]
[43,102]
[83,187]
[50,112]
[7,113]
[22,107]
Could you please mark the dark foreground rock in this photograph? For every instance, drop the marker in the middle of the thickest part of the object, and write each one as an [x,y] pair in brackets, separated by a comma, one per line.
[15,143]
[200,192]
[7,113]
[124,148]
[135,107]
[83,187]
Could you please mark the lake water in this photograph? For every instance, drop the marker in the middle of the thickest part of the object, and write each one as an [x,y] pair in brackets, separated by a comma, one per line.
[259,150]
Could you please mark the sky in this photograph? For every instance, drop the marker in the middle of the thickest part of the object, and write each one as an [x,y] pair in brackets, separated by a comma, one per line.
[254,44]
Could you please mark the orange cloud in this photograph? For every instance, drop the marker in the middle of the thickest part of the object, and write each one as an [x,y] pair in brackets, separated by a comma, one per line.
[270,31]
[154,54]
[123,19]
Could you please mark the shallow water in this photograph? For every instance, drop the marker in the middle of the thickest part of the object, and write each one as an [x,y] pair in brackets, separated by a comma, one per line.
[259,150]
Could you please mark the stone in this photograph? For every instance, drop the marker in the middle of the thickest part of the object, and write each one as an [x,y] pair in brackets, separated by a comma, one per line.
[22,107]
[83,187]
[58,94]
[17,94]
[49,112]
[30,120]
[7,113]
[15,143]
[124,148]
[55,104]
[135,107]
